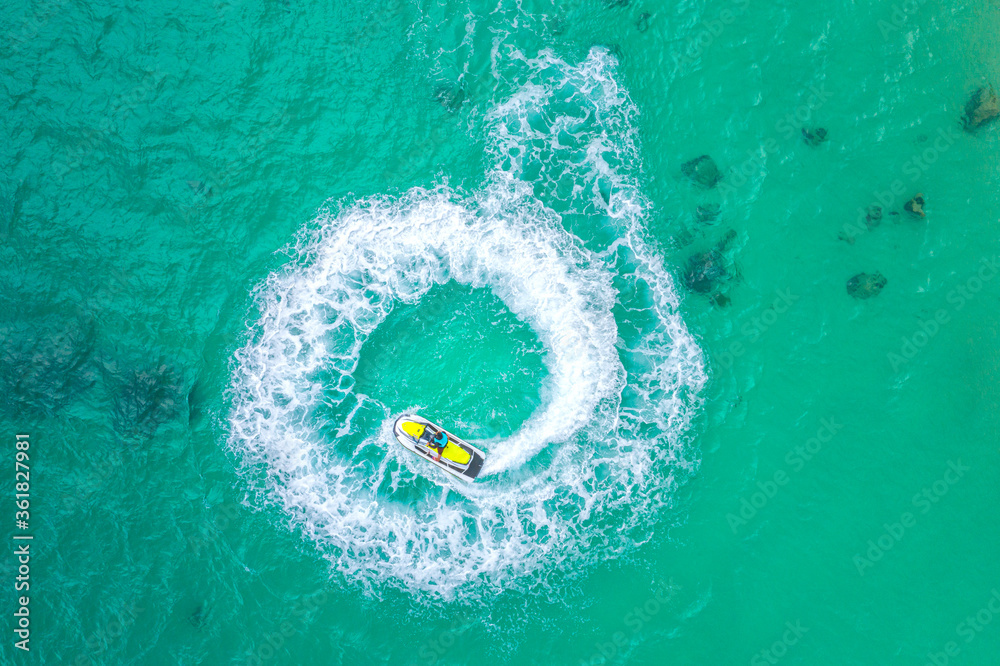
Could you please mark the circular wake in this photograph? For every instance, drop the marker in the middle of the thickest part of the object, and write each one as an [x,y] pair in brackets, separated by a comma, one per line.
[584,477]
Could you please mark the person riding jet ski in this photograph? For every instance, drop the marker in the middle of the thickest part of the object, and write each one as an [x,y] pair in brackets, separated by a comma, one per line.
[438,441]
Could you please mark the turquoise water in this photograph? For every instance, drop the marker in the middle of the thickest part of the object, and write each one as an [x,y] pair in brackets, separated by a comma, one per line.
[240,238]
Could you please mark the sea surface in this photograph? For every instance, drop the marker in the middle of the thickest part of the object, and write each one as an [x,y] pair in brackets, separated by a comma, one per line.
[239,238]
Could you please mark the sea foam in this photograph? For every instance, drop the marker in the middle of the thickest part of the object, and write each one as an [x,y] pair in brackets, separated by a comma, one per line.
[557,234]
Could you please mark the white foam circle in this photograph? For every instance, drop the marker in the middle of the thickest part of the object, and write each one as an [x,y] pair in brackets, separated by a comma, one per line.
[614,408]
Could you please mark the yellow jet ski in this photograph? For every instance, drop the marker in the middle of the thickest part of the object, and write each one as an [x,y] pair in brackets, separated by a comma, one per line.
[458,457]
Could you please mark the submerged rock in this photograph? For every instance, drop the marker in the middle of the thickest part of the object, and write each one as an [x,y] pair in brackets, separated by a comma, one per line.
[144,399]
[613,48]
[200,188]
[702,170]
[866,285]
[873,217]
[642,25]
[684,237]
[814,137]
[916,206]
[708,212]
[557,24]
[198,616]
[196,402]
[450,95]
[706,271]
[45,363]
[981,109]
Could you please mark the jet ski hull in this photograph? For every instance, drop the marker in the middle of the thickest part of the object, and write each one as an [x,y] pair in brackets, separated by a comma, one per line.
[460,459]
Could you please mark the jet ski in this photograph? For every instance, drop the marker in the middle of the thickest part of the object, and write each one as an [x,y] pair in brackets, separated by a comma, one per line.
[459,458]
